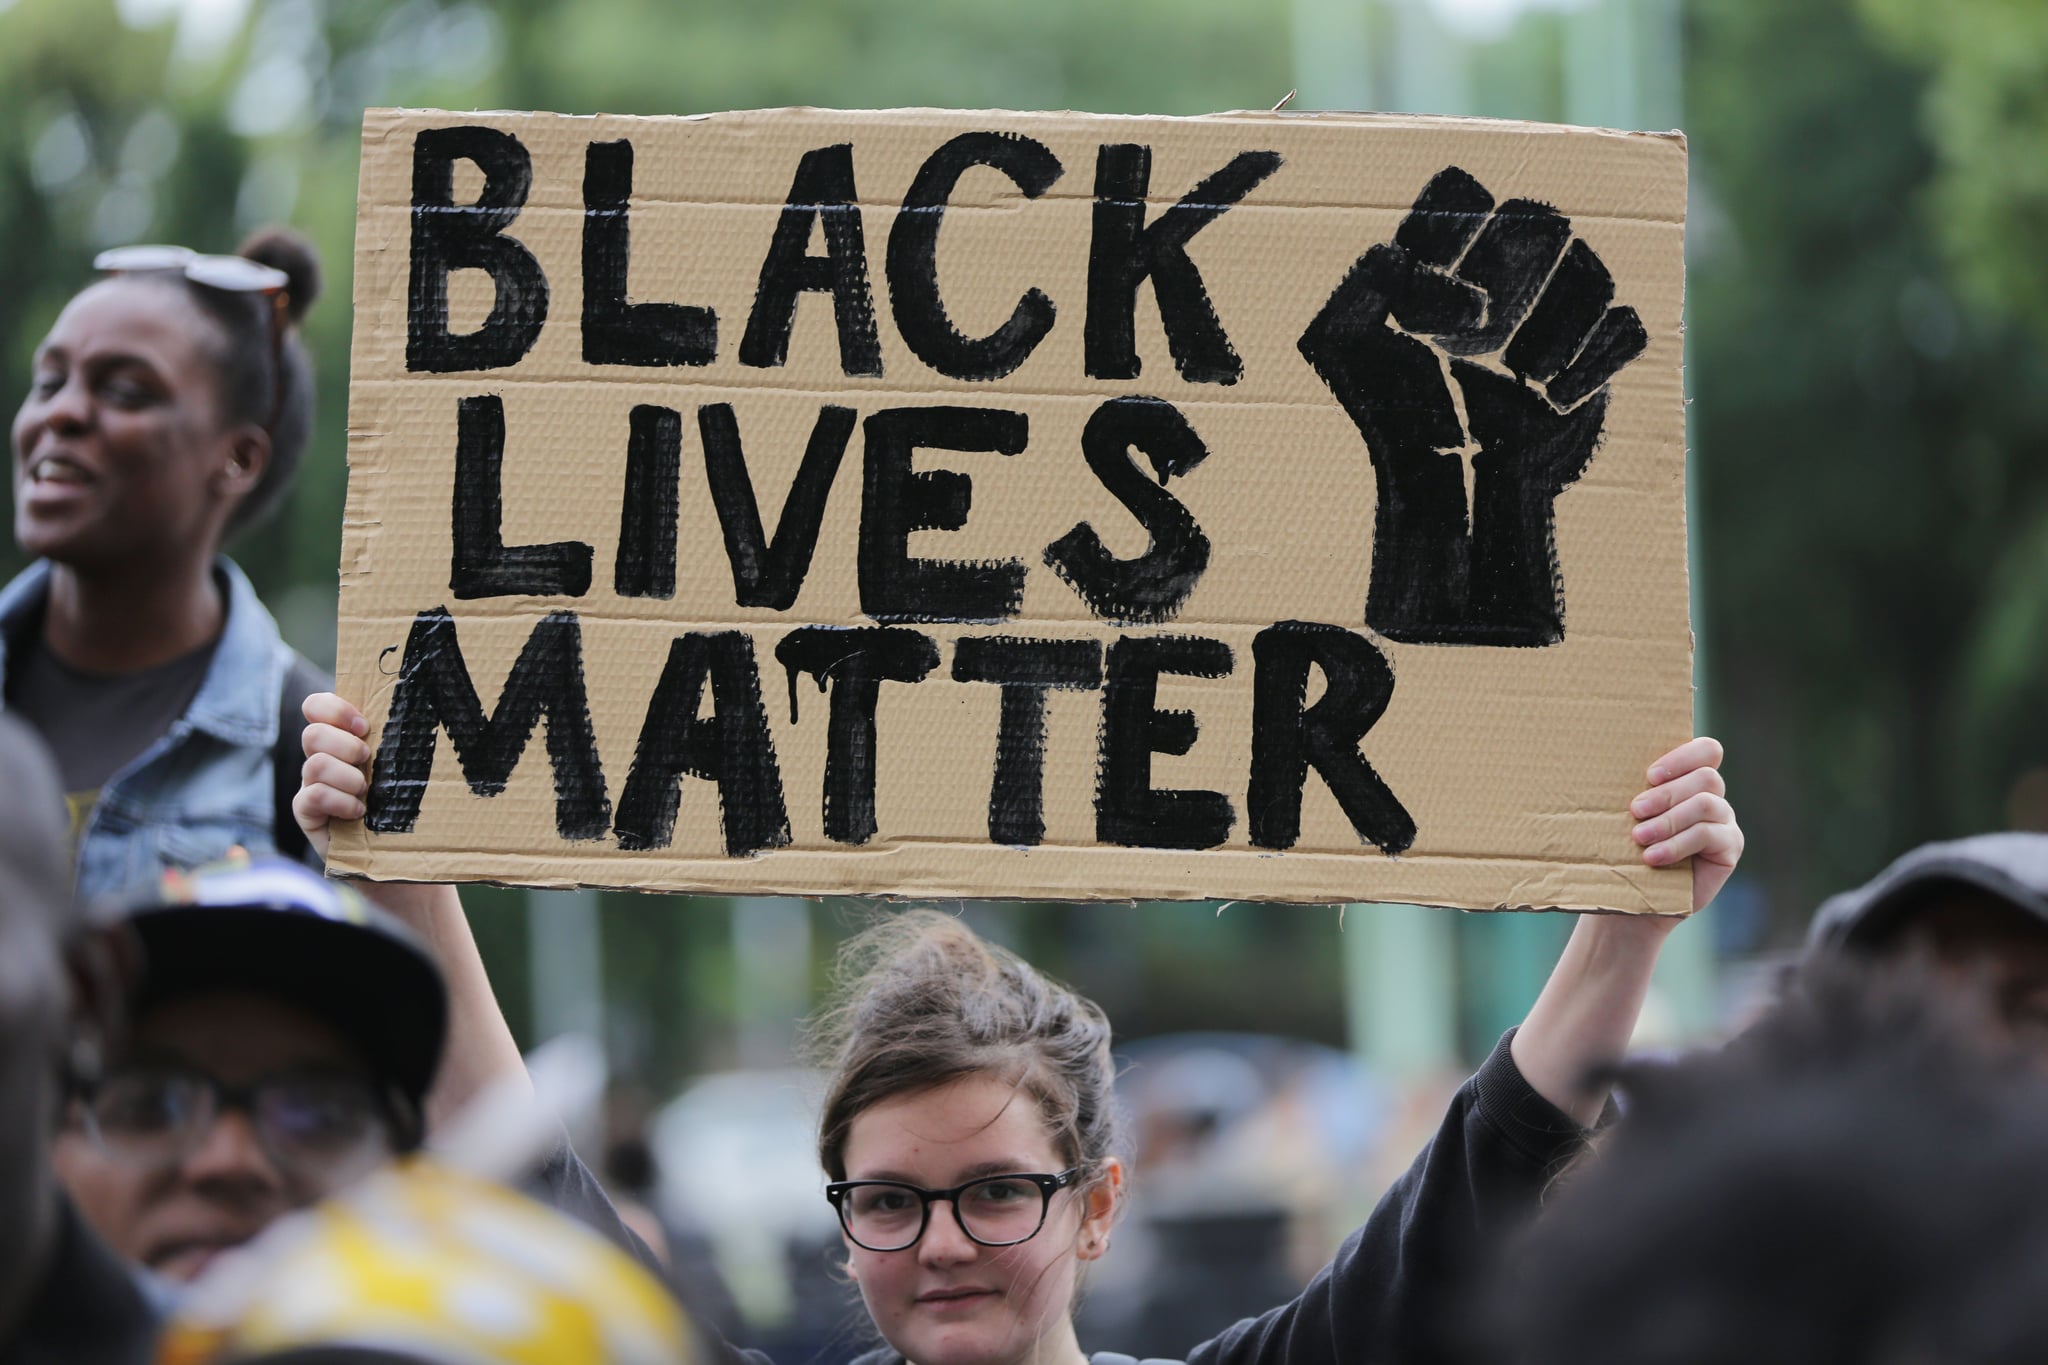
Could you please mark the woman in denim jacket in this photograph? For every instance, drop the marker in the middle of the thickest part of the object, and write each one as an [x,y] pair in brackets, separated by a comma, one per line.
[168,408]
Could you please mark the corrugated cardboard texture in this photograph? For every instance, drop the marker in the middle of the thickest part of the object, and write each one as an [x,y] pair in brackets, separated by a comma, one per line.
[1510,754]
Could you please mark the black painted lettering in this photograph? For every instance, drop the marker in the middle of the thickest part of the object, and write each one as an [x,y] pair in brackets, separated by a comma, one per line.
[616,331]
[434,692]
[913,260]
[822,193]
[855,662]
[1025,670]
[1129,810]
[1153,587]
[447,236]
[1289,737]
[483,565]
[1125,253]
[731,747]
[765,573]
[646,566]
[895,501]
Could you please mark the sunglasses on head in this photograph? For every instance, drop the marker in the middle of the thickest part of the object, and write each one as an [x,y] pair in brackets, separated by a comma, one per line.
[230,274]
[236,274]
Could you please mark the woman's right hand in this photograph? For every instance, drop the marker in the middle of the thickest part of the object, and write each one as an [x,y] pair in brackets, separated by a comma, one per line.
[332,785]
[336,776]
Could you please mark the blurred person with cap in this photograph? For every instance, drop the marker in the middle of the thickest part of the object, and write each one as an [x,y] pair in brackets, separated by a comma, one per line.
[288,1038]
[1854,1181]
[284,1037]
[64,1296]
[1976,909]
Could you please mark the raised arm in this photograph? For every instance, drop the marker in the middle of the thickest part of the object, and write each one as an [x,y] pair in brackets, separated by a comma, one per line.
[1588,1008]
[1397,1289]
[480,1048]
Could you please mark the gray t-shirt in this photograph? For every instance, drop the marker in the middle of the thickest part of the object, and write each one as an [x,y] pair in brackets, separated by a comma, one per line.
[98,723]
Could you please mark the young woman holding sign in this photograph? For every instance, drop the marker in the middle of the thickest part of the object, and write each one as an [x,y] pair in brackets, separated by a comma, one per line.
[970,1139]
[168,409]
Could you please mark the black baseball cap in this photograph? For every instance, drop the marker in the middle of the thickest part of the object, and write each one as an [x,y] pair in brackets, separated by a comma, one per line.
[2011,867]
[275,927]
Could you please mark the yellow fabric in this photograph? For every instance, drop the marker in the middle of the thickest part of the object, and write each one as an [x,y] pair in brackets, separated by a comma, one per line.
[79,806]
[440,1265]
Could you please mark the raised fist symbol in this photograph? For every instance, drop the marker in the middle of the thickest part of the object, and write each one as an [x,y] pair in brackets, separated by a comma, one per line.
[1508,287]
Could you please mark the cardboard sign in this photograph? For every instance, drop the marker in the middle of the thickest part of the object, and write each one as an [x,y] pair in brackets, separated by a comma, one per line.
[1264,506]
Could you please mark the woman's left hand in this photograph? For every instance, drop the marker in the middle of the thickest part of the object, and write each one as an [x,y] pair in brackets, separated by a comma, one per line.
[1685,814]
[1589,1007]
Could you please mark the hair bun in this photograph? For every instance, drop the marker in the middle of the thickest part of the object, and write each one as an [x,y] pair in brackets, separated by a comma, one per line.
[281,248]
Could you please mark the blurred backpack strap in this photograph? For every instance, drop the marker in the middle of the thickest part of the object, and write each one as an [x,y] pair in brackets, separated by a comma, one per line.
[288,758]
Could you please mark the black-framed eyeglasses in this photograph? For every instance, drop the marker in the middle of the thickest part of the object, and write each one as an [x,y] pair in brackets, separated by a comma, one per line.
[320,1126]
[995,1210]
[231,274]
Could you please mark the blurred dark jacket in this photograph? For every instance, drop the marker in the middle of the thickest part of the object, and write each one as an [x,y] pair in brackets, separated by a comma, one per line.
[89,1311]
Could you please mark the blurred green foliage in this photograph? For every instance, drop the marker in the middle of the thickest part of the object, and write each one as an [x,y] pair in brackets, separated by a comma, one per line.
[1874,513]
[152,120]
[1985,114]
[1869,314]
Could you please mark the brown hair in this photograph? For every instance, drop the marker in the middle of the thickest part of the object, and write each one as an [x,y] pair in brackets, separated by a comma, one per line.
[922,1001]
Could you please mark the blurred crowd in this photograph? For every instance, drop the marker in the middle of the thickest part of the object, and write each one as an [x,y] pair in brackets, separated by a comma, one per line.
[231,1137]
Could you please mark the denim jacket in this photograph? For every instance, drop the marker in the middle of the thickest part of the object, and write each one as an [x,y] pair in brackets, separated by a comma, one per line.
[208,783]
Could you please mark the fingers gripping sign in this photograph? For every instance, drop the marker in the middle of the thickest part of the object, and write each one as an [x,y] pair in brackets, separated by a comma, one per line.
[1502,301]
[333,782]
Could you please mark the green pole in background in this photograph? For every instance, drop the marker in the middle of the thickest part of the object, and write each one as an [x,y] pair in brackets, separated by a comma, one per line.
[1333,51]
[1622,69]
[1401,989]
[565,947]
[566,944]
[771,968]
[1687,972]
[1400,961]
